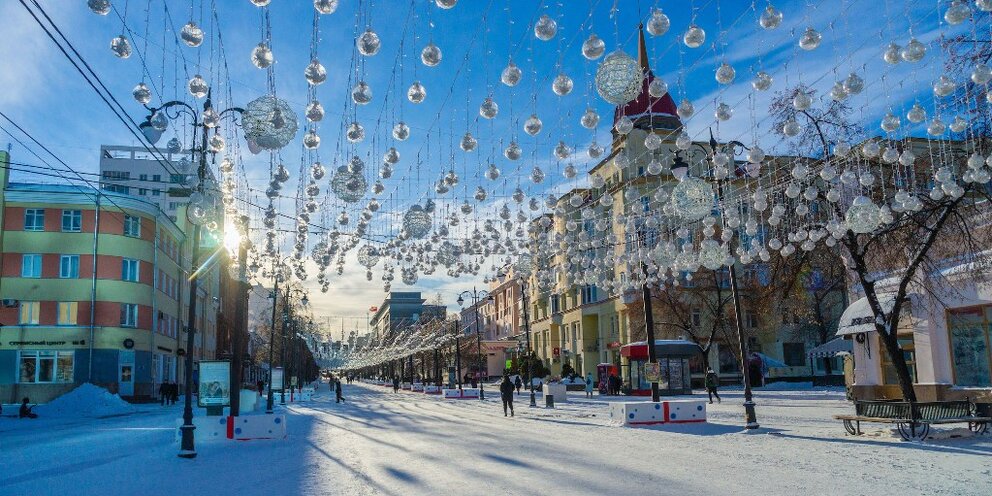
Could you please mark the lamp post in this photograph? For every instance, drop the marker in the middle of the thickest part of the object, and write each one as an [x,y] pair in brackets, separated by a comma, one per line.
[736,147]
[477,295]
[458,354]
[168,110]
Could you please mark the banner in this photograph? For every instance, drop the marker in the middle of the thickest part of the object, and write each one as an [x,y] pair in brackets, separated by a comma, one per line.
[215,383]
[277,375]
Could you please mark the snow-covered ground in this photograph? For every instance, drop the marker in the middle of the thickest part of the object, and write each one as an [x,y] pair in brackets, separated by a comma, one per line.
[381,442]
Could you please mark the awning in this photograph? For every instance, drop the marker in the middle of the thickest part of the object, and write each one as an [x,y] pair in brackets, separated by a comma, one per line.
[859,318]
[662,347]
[831,348]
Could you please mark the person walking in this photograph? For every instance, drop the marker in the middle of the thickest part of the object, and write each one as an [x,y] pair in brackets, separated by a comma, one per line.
[396,383]
[163,392]
[506,394]
[712,381]
[517,383]
[337,391]
[174,392]
[25,411]
[589,385]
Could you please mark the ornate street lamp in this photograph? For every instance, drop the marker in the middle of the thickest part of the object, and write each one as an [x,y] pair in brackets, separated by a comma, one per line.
[477,295]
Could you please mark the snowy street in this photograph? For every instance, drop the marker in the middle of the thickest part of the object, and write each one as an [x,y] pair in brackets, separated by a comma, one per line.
[381,442]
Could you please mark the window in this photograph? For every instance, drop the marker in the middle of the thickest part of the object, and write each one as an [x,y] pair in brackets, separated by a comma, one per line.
[34,219]
[143,177]
[970,353]
[697,317]
[156,192]
[555,305]
[908,348]
[157,178]
[794,354]
[28,312]
[69,266]
[116,188]
[173,205]
[31,265]
[142,192]
[750,320]
[723,278]
[132,226]
[129,315]
[175,178]
[46,366]
[129,270]
[72,220]
[117,175]
[589,294]
[68,310]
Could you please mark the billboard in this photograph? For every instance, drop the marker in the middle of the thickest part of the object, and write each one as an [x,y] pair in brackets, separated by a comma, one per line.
[215,383]
[277,375]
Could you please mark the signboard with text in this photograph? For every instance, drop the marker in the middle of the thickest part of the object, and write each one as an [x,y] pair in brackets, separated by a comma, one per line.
[215,383]
[277,375]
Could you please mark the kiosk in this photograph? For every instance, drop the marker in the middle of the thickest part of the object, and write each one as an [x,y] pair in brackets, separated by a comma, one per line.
[673,357]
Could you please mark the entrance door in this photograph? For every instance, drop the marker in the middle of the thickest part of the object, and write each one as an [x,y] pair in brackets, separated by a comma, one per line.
[125,379]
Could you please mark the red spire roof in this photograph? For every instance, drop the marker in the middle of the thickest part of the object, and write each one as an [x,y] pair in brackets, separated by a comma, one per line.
[644,103]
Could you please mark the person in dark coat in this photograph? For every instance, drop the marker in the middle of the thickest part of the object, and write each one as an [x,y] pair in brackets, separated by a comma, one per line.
[711,382]
[337,391]
[518,384]
[163,392]
[396,384]
[25,411]
[174,392]
[506,394]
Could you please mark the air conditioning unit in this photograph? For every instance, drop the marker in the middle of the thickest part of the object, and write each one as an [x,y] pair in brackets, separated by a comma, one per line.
[9,303]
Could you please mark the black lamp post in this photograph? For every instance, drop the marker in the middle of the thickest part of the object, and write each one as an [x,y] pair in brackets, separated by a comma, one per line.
[736,147]
[522,280]
[172,109]
[272,330]
[477,295]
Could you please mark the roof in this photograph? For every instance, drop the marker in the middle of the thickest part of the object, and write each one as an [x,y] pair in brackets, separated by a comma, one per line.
[832,348]
[645,104]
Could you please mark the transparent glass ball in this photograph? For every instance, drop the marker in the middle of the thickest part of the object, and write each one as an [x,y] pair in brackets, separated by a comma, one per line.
[191,34]
[368,43]
[175,146]
[261,56]
[562,85]
[492,173]
[315,73]
[916,114]
[893,54]
[771,17]
[914,51]
[725,74]
[802,101]
[417,93]
[317,171]
[791,128]
[537,175]
[311,140]
[652,141]
[657,88]
[659,23]
[837,92]
[624,125]
[692,199]
[489,108]
[944,86]
[121,47]
[755,155]
[694,37]
[810,39]
[984,5]
[685,109]
[99,7]
[958,124]
[431,55]
[545,28]
[862,216]
[853,84]
[511,74]
[315,111]
[762,81]
[401,131]
[595,150]
[957,13]
[890,122]
[982,73]
[619,78]
[513,151]
[594,47]
[589,119]
[197,86]
[569,171]
[141,93]
[322,6]
[533,125]
[446,4]
[356,165]
[468,143]
[361,93]
[562,151]
[841,149]
[683,141]
[355,132]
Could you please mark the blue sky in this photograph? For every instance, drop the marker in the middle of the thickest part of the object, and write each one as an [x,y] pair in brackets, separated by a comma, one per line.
[44,94]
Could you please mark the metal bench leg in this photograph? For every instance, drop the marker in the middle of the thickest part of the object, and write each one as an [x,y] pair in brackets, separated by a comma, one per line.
[978,427]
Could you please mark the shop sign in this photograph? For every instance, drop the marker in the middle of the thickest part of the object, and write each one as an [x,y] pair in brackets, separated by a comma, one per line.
[215,383]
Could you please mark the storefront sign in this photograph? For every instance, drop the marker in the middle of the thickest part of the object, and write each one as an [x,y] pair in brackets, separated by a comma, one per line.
[652,372]
[215,383]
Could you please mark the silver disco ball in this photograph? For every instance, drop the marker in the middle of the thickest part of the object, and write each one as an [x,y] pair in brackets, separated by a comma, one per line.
[269,122]
[619,78]
[417,222]
[348,186]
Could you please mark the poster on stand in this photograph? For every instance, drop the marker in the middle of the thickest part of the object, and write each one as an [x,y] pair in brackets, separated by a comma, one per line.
[652,372]
[277,375]
[215,383]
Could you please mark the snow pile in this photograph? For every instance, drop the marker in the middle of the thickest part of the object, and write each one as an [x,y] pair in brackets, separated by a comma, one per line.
[87,400]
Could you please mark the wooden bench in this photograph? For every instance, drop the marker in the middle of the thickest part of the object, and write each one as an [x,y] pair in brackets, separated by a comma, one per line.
[913,419]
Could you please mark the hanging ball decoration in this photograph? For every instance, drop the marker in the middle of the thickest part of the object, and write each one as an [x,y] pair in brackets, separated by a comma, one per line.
[262,56]
[417,93]
[657,88]
[569,171]
[468,143]
[957,13]
[315,72]
[958,124]
[914,51]
[348,186]
[692,199]
[368,43]
[99,7]
[725,74]
[590,119]
[916,114]
[893,54]
[533,125]
[391,157]
[618,78]
[791,127]
[368,256]
[431,55]
[562,151]
[197,86]
[141,93]
[810,39]
[416,222]
[762,81]
[944,86]
[545,28]
[982,73]
[401,131]
[659,23]
[315,111]
[356,164]
[562,85]
[492,173]
[322,6]
[685,109]
[771,17]
[595,150]
[310,140]
[712,254]
[802,101]
[317,171]
[269,122]
[488,109]
[175,146]
[594,47]
[862,216]
[121,47]
[191,34]
[511,74]
[446,4]
[361,93]
[723,112]
[537,175]
[694,37]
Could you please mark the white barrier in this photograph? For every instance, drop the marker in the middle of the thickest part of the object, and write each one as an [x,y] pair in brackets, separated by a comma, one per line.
[417,387]
[432,389]
[249,400]
[241,428]
[405,385]
[664,412]
[560,392]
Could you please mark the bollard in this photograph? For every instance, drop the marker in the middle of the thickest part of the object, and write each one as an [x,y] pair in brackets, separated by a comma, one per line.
[549,401]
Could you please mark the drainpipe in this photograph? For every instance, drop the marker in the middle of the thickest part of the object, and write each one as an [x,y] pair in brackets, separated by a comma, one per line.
[96,242]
